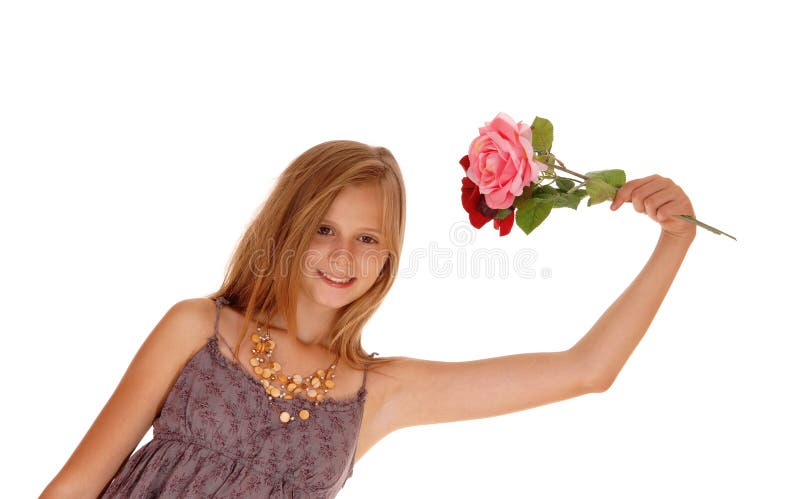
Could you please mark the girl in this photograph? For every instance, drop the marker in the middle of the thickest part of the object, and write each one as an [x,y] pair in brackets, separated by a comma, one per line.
[262,389]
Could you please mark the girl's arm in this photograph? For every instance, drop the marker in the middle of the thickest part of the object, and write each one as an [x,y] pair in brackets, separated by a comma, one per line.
[136,401]
[424,392]
[609,343]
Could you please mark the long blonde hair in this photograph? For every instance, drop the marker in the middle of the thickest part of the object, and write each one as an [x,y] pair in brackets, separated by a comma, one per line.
[258,282]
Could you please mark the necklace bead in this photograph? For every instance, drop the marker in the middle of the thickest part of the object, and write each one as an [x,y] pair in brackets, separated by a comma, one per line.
[314,386]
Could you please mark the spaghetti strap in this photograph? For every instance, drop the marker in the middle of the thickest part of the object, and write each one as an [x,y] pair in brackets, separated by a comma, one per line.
[364,380]
[221,301]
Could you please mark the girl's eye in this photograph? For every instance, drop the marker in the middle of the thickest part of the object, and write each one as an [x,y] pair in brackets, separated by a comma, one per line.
[323,228]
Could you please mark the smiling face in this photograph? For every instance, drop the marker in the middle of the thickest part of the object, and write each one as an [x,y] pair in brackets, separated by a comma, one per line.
[347,246]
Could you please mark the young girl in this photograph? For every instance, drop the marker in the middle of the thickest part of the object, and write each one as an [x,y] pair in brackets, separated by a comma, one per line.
[262,389]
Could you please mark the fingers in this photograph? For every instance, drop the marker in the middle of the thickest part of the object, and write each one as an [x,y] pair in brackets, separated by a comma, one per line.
[655,202]
[639,192]
[669,208]
[677,203]
[660,198]
[623,194]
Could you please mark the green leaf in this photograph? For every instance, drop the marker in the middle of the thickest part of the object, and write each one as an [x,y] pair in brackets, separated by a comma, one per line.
[571,200]
[532,212]
[545,158]
[503,213]
[614,178]
[602,185]
[545,192]
[599,190]
[526,194]
[542,134]
[564,184]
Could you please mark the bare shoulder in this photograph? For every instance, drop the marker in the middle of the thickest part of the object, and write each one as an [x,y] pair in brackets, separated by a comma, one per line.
[137,400]
[189,321]
[386,379]
[183,330]
[393,374]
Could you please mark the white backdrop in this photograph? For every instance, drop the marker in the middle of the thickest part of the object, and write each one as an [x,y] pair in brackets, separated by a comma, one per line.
[137,141]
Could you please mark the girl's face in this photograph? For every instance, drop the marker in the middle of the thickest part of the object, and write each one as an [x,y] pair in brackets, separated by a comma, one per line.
[347,245]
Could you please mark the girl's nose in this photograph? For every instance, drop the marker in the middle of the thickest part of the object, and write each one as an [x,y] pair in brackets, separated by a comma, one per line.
[342,260]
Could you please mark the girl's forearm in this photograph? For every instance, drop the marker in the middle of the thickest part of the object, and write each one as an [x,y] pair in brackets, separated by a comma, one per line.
[608,344]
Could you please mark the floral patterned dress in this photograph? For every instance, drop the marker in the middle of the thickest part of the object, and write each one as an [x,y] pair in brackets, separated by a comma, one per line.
[216,436]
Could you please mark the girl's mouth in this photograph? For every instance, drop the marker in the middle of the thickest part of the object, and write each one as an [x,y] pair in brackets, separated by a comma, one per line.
[335,283]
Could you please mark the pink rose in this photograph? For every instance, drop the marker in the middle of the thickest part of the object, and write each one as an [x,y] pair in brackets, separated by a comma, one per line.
[501,161]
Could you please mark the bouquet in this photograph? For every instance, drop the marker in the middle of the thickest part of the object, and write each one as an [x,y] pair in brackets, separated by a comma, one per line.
[511,175]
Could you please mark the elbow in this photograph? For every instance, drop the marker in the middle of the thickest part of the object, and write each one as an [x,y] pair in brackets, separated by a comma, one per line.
[599,383]
[601,387]
[595,378]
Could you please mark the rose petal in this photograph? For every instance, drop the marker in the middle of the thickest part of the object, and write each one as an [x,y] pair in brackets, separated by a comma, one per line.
[470,199]
[465,162]
[505,224]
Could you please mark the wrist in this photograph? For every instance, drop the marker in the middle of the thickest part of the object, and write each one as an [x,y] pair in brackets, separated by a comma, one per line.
[674,239]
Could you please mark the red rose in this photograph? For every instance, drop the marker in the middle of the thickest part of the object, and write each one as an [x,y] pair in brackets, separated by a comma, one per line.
[505,224]
[465,162]
[475,205]
[469,199]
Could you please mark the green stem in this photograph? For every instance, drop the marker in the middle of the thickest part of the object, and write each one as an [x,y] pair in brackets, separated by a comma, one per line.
[576,187]
[565,169]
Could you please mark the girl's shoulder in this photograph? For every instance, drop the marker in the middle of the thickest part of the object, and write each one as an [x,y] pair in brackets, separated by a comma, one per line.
[137,400]
[188,324]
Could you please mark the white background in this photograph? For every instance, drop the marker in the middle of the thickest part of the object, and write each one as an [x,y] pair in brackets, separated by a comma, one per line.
[137,140]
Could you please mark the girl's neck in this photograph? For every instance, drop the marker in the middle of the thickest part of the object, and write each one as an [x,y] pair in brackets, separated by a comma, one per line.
[312,328]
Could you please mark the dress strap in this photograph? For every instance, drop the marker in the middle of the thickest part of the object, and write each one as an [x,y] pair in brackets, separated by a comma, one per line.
[364,380]
[221,301]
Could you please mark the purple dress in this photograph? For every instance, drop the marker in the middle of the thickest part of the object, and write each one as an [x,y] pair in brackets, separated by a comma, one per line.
[216,436]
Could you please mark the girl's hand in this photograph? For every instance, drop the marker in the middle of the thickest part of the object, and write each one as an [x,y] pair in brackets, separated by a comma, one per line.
[660,198]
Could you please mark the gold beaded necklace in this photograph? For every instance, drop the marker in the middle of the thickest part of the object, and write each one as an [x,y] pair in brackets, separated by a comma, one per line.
[313,387]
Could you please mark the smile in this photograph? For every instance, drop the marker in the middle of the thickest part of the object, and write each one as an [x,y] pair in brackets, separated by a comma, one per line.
[333,281]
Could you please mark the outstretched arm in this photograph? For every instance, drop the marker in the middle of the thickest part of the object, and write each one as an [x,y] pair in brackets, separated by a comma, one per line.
[424,392]
[609,343]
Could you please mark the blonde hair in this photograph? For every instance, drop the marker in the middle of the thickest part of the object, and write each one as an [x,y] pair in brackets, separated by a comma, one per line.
[257,280]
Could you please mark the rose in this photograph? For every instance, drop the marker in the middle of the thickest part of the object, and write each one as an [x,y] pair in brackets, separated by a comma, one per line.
[475,205]
[506,184]
[501,161]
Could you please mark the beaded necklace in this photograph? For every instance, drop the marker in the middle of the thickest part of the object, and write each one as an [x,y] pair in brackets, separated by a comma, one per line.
[313,387]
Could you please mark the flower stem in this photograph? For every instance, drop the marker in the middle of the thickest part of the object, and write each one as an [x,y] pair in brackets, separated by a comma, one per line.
[565,169]
[576,187]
